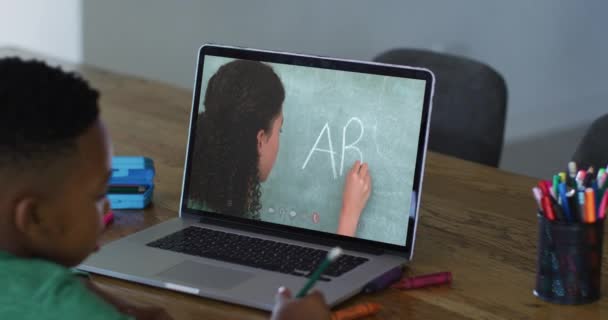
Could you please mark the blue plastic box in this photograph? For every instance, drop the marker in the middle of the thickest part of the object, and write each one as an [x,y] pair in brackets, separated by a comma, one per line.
[135,171]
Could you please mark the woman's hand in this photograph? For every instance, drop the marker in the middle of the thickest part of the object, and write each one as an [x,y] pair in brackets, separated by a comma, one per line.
[311,307]
[357,188]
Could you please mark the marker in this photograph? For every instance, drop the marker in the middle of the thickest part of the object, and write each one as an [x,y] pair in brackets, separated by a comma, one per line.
[548,208]
[549,186]
[598,193]
[538,195]
[565,204]
[571,192]
[573,205]
[589,205]
[332,255]
[581,206]
[572,169]
[562,177]
[601,181]
[424,281]
[602,212]
[580,177]
[557,210]
[571,179]
[600,174]
[588,177]
[356,312]
[384,281]
[553,194]
[555,186]
[543,188]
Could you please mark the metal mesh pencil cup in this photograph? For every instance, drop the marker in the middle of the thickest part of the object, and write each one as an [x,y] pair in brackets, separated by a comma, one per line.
[569,261]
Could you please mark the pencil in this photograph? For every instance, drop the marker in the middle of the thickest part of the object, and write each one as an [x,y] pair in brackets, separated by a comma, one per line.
[332,255]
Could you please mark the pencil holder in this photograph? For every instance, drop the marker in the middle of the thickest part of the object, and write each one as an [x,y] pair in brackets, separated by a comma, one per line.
[569,261]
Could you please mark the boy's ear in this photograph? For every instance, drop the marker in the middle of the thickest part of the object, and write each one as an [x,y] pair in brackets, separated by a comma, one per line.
[27,217]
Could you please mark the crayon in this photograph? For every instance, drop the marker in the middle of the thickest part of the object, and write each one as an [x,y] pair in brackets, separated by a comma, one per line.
[384,281]
[356,312]
[108,218]
[424,281]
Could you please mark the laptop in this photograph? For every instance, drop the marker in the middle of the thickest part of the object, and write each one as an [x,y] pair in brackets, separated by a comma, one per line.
[274,179]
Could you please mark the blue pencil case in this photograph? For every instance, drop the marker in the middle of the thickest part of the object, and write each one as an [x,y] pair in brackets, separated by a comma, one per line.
[131,172]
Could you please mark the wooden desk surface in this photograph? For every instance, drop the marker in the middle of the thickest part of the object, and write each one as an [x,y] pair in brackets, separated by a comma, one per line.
[476,221]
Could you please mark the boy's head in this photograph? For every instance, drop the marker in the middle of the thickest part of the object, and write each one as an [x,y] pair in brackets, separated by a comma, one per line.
[55,162]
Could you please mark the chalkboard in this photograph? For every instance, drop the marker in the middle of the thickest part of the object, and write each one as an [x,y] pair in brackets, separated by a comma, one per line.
[331,119]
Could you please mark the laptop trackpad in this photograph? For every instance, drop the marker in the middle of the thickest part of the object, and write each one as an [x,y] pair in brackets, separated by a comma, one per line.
[204,275]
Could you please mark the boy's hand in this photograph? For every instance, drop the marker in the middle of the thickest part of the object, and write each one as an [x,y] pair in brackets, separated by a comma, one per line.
[311,307]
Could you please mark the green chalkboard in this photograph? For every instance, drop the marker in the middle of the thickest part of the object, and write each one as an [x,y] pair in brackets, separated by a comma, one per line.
[331,119]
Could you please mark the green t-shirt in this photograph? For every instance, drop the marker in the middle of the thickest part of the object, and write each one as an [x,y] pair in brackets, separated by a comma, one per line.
[38,289]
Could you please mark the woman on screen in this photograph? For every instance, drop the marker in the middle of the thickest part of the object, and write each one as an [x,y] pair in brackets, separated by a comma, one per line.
[237,144]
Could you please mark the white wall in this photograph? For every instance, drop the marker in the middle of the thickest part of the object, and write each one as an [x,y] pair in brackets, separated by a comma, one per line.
[49,27]
[551,52]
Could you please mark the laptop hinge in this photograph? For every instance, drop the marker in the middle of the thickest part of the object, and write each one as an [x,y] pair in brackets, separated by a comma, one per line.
[294,236]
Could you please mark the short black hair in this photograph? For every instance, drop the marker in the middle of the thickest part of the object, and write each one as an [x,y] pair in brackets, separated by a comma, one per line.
[43,110]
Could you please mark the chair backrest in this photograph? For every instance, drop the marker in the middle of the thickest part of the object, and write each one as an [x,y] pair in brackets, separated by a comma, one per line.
[593,148]
[469,106]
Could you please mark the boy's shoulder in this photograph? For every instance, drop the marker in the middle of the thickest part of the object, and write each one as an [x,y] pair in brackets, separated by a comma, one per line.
[23,272]
[39,289]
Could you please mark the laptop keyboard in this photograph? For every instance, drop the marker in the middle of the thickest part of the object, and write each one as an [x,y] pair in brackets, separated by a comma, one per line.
[254,252]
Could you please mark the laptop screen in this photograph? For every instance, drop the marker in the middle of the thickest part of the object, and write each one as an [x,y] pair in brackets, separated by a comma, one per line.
[308,143]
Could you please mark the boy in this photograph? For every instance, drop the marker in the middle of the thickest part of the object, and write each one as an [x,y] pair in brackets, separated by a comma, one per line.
[55,163]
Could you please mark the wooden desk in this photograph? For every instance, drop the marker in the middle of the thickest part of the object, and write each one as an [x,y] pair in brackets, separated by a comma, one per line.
[476,221]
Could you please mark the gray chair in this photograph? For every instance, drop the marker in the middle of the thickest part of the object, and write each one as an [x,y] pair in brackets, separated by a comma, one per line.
[593,148]
[469,106]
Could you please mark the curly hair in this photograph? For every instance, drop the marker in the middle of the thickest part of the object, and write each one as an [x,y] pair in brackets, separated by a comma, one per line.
[242,98]
[43,110]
